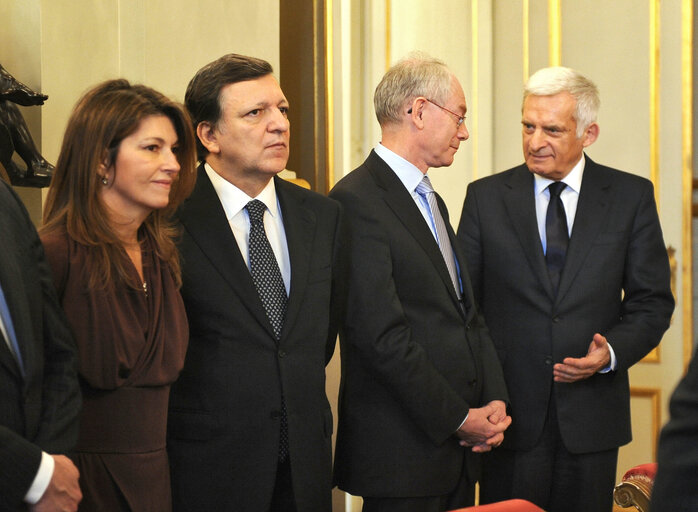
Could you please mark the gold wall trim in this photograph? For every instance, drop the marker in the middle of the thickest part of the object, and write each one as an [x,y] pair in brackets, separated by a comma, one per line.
[388,36]
[316,89]
[653,394]
[687,174]
[329,95]
[526,43]
[654,34]
[554,32]
[476,89]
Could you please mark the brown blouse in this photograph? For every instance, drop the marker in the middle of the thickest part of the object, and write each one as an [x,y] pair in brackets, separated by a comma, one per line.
[131,344]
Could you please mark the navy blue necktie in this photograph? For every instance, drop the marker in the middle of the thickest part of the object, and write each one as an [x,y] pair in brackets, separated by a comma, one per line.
[9,327]
[556,234]
[267,278]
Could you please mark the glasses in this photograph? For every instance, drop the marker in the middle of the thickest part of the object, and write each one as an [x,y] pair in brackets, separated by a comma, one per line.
[461,119]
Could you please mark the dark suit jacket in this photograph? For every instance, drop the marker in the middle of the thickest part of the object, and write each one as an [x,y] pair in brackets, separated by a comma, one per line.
[39,410]
[615,282]
[413,363]
[675,488]
[223,429]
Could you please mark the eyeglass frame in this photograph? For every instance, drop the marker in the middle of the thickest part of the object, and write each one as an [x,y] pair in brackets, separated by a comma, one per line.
[461,119]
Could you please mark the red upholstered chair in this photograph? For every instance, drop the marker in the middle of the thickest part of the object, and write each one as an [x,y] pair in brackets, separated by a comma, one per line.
[635,488]
[504,506]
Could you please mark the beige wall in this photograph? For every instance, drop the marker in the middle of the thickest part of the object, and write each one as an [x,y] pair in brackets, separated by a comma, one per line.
[63,47]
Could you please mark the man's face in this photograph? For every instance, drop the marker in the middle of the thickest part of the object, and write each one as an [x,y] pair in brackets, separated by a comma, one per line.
[250,140]
[442,133]
[550,144]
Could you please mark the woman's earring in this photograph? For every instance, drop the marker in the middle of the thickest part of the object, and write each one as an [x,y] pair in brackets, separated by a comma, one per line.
[105,181]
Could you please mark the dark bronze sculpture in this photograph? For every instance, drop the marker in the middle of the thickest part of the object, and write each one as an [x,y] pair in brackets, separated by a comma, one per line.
[15,136]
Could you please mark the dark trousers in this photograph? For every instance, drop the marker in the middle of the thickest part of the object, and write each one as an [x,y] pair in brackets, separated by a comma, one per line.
[282,499]
[462,496]
[550,476]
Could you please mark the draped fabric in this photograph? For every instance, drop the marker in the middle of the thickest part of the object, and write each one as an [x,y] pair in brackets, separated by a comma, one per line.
[131,345]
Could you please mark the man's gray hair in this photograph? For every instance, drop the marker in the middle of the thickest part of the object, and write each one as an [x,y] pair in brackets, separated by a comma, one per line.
[416,75]
[554,80]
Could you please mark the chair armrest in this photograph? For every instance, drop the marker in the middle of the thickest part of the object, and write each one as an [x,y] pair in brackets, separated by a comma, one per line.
[635,488]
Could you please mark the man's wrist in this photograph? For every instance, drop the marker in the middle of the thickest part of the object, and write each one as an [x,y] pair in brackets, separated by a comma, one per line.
[41,480]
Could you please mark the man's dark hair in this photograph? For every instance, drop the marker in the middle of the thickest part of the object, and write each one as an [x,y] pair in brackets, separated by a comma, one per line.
[202,98]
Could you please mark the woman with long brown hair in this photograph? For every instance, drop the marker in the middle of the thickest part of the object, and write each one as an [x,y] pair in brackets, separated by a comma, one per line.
[127,161]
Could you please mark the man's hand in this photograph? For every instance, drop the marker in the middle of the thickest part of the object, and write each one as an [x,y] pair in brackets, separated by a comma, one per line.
[63,492]
[484,428]
[571,369]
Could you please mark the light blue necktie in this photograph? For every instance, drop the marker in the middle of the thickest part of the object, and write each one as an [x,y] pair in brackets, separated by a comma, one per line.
[9,327]
[425,190]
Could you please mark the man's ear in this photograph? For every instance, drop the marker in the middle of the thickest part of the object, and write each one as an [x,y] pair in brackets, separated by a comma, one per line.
[208,137]
[416,111]
[590,134]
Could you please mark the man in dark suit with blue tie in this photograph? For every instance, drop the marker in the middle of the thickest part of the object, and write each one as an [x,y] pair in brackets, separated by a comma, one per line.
[568,264]
[249,425]
[421,385]
[39,394]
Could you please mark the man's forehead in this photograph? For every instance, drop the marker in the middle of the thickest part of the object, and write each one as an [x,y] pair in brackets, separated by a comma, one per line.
[262,90]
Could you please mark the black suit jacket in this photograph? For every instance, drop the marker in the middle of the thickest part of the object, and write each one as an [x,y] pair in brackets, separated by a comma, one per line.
[39,409]
[615,282]
[675,487]
[223,429]
[413,362]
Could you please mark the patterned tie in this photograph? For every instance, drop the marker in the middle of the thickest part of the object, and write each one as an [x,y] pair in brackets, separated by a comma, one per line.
[556,233]
[9,327]
[425,190]
[270,287]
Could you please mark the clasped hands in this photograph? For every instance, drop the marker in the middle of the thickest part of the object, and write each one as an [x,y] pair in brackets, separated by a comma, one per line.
[484,427]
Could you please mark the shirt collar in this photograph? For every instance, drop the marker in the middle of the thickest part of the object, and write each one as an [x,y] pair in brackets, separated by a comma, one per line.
[573,180]
[408,173]
[234,200]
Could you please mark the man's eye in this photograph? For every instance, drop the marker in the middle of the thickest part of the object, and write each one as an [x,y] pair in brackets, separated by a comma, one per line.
[284,111]
[255,112]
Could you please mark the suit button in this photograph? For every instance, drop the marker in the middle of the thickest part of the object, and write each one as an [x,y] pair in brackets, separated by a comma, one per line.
[467,327]
[556,319]
[275,415]
[124,373]
[282,354]
[548,360]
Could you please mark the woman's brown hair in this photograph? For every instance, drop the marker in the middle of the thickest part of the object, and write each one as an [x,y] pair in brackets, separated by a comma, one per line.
[102,118]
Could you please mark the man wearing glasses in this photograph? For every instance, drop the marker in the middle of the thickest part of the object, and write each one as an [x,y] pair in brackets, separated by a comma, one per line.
[421,385]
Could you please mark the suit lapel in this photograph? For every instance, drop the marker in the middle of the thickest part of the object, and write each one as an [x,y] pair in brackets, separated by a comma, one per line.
[203,217]
[403,206]
[299,225]
[592,210]
[521,208]
[10,277]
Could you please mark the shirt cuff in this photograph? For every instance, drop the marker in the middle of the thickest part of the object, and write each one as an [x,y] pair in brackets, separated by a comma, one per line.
[41,480]
[613,365]
[463,422]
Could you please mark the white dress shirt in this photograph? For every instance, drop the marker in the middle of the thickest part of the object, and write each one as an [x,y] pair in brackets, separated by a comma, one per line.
[234,201]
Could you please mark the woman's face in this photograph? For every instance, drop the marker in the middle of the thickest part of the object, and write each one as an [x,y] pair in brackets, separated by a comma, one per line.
[140,179]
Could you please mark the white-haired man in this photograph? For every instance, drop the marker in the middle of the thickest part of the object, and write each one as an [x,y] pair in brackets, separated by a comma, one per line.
[568,263]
